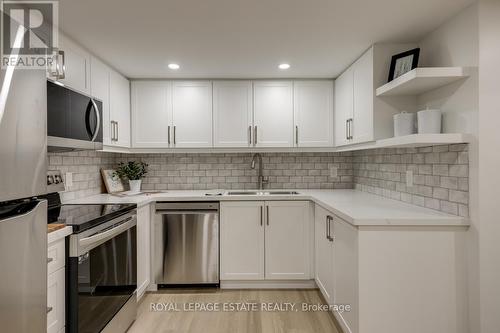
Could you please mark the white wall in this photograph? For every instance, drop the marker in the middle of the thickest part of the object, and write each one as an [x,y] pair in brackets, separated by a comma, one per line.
[456,43]
[489,163]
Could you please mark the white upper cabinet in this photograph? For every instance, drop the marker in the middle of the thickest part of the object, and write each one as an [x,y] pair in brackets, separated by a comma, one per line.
[287,240]
[76,62]
[313,113]
[343,107]
[360,116]
[273,113]
[99,88]
[192,114]
[151,114]
[363,92]
[233,113]
[119,95]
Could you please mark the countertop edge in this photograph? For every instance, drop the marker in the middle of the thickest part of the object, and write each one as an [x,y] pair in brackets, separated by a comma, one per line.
[59,234]
[441,219]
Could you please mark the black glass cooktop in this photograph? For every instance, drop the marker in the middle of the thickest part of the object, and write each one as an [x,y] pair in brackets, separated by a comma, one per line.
[83,217]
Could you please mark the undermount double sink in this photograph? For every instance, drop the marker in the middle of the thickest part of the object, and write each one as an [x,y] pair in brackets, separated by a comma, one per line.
[262,193]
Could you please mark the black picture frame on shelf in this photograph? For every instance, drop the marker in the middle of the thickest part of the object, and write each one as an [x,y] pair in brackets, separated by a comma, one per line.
[403,63]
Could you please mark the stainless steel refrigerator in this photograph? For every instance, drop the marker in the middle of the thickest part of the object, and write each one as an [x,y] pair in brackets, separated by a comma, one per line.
[23,217]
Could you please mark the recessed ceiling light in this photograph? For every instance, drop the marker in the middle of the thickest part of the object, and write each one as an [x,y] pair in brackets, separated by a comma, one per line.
[173,66]
[284,66]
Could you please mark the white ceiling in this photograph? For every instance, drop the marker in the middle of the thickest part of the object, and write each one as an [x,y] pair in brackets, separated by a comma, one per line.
[245,38]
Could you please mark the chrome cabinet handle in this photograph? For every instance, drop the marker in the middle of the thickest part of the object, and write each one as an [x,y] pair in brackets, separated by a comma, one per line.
[49,309]
[255,135]
[112,130]
[249,135]
[267,214]
[261,216]
[117,133]
[49,260]
[62,75]
[350,128]
[347,129]
[98,117]
[168,134]
[329,228]
[174,136]
[297,135]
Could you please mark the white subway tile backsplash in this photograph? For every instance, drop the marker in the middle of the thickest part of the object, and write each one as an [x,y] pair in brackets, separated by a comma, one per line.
[440,172]
[440,175]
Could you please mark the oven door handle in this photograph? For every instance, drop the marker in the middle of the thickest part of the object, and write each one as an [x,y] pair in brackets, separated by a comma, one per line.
[88,243]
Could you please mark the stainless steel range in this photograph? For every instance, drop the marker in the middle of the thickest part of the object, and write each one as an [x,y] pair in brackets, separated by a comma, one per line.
[102,265]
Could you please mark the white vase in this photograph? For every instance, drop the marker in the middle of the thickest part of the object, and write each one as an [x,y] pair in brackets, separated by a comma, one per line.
[135,186]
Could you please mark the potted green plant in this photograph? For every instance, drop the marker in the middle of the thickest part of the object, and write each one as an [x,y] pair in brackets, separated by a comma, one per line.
[134,171]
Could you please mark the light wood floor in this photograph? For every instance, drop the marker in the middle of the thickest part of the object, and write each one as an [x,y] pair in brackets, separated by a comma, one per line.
[296,321]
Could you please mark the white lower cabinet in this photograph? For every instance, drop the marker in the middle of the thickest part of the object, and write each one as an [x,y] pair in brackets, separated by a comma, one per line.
[143,249]
[56,291]
[337,265]
[323,254]
[265,240]
[345,272]
[386,276]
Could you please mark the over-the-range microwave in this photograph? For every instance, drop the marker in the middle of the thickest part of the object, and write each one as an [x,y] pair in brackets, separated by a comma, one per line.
[74,120]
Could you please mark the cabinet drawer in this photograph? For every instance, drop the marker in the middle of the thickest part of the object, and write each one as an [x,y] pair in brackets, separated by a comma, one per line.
[55,256]
[55,301]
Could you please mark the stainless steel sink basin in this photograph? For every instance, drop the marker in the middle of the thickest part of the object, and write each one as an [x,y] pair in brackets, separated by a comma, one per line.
[280,193]
[243,193]
[262,193]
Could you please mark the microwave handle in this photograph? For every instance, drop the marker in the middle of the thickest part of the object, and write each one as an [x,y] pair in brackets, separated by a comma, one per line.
[98,117]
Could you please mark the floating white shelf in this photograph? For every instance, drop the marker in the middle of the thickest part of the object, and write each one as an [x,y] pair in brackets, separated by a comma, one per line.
[414,140]
[421,80]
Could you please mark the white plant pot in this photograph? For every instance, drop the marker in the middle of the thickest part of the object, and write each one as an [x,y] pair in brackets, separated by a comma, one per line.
[135,186]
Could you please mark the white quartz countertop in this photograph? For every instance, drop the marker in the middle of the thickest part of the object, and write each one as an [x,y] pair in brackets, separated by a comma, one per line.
[356,207]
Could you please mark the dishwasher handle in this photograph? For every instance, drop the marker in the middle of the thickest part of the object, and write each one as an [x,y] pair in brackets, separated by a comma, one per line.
[183,212]
[186,206]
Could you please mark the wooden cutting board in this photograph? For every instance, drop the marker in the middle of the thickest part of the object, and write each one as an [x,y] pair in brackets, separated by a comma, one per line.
[54,226]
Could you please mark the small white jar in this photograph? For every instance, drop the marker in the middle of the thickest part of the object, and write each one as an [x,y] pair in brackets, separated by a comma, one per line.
[429,121]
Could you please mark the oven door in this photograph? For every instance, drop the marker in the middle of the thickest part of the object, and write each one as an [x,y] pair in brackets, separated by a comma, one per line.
[102,274]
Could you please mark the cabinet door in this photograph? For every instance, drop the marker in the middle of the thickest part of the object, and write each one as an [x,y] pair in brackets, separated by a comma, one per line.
[273,113]
[232,113]
[56,293]
[343,106]
[323,254]
[346,271]
[363,91]
[77,66]
[120,108]
[143,249]
[313,113]
[99,88]
[151,114]
[287,240]
[192,114]
[242,240]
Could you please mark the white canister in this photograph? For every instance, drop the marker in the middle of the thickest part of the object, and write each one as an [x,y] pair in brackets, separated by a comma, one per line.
[135,186]
[429,121]
[404,123]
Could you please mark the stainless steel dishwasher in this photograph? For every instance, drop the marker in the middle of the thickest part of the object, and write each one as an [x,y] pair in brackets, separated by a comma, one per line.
[186,243]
